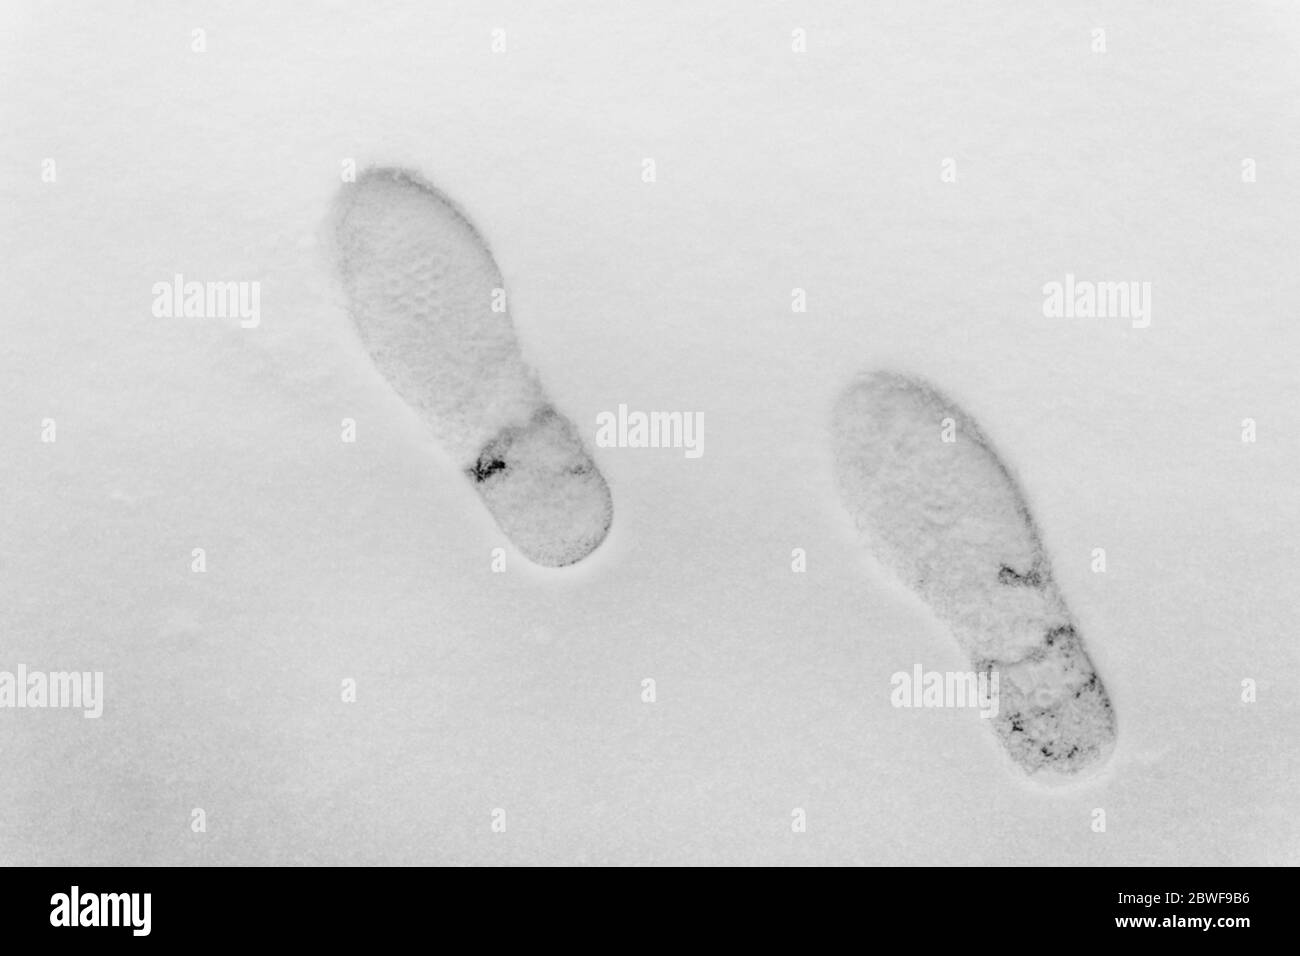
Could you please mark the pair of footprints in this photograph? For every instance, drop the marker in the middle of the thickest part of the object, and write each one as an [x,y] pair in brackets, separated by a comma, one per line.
[946,516]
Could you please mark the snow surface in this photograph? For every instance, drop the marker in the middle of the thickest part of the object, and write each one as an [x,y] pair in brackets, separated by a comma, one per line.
[522,690]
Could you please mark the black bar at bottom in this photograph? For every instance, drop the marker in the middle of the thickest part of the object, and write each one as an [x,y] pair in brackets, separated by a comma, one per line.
[332,906]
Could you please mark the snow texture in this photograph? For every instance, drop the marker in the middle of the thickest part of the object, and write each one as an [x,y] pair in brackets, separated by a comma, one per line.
[371,561]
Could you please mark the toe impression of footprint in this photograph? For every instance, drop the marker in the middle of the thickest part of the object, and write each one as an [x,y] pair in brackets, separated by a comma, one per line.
[421,288]
[949,519]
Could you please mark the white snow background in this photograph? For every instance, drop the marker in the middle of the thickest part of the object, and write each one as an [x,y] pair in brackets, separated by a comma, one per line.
[522,690]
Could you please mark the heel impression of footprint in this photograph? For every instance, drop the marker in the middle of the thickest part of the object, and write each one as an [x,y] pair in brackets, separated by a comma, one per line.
[421,287]
[948,518]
